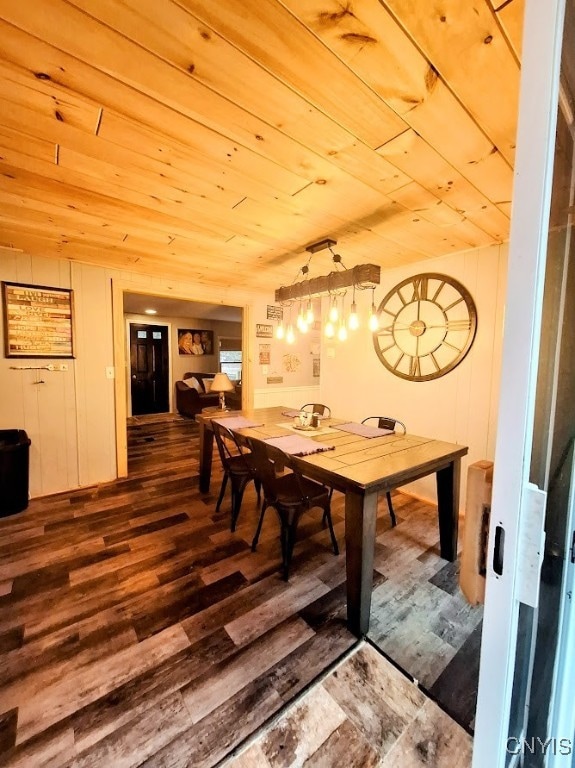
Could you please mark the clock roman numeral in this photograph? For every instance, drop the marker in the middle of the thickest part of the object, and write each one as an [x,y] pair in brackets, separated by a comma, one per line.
[458,325]
[452,346]
[420,289]
[398,361]
[403,301]
[415,367]
[453,304]
[438,291]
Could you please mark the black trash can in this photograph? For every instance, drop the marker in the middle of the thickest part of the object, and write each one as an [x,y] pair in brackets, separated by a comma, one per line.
[14,466]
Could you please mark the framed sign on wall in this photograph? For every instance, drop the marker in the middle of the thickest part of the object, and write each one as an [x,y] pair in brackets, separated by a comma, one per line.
[264,330]
[38,321]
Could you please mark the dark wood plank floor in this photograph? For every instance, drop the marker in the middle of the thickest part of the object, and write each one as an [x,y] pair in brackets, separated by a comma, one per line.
[135,629]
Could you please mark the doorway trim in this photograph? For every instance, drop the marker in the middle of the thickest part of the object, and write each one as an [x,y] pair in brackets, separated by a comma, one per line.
[204,294]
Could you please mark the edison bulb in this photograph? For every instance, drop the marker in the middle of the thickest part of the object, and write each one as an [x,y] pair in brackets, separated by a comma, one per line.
[353,321]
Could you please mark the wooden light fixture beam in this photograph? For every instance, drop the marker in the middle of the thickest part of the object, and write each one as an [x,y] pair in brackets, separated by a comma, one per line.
[363,273]
[345,278]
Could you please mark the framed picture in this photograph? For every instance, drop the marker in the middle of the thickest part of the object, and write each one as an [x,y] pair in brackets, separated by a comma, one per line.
[192,341]
[265,354]
[274,312]
[267,331]
[37,321]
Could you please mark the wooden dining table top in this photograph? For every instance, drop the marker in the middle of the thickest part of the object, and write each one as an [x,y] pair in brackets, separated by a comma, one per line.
[357,462]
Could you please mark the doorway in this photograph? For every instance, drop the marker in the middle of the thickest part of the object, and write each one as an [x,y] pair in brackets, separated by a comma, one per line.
[163,298]
[149,369]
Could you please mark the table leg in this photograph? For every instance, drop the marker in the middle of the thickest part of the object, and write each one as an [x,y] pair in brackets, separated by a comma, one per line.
[206,451]
[360,517]
[448,508]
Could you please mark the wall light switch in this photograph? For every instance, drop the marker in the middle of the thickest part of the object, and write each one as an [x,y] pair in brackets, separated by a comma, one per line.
[110,374]
[330,351]
[265,370]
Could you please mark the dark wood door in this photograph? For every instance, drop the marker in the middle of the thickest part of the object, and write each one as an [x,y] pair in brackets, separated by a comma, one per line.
[149,368]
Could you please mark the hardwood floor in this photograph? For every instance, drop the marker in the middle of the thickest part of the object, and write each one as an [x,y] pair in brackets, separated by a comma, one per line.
[135,629]
[362,714]
[420,618]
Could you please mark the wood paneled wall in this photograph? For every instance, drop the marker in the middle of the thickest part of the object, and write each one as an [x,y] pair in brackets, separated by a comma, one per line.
[68,416]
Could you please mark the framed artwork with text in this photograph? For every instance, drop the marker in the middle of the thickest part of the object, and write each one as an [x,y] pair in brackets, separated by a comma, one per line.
[38,321]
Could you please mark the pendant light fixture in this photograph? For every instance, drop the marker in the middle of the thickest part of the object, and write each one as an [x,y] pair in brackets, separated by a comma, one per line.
[353,319]
[333,285]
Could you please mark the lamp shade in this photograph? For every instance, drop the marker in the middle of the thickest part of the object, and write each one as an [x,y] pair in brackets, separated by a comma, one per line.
[222,383]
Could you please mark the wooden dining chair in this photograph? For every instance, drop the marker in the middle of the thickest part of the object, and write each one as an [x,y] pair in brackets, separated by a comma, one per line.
[290,494]
[238,467]
[387,422]
[319,408]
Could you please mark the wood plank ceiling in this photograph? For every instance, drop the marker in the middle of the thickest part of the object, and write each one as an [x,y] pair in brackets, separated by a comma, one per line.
[213,141]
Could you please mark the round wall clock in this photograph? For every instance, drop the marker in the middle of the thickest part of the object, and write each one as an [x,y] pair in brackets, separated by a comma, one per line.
[427,326]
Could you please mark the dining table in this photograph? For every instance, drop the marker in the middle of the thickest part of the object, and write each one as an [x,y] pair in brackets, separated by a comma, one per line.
[361,468]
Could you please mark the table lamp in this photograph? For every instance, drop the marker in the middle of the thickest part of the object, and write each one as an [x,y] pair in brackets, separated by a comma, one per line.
[222,384]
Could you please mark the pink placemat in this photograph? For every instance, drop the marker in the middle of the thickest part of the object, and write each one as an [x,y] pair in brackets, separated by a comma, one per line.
[297,445]
[291,414]
[238,422]
[315,431]
[362,429]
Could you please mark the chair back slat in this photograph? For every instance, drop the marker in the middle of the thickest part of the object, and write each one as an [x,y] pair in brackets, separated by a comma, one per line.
[237,467]
[226,442]
[320,408]
[386,422]
[265,467]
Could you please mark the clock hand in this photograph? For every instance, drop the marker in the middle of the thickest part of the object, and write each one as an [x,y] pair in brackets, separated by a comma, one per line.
[456,325]
[389,330]
[397,327]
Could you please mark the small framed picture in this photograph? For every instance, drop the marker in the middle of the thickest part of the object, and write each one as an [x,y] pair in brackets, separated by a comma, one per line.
[192,341]
[264,331]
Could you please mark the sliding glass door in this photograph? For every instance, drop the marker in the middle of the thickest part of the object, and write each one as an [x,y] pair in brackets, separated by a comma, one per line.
[528,617]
